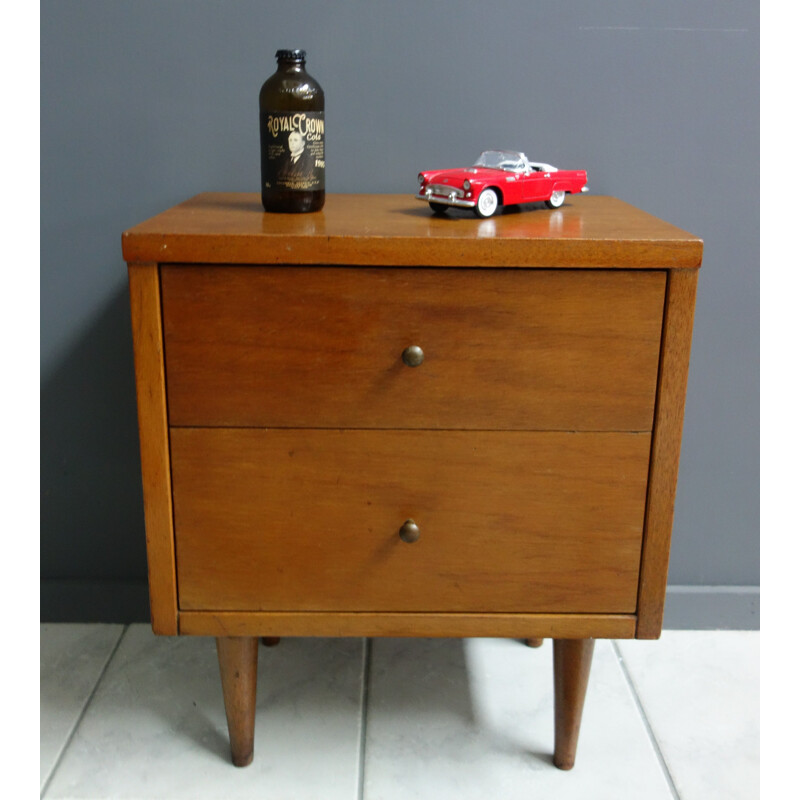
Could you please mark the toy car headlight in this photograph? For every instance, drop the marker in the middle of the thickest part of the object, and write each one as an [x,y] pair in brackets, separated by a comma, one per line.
[467,184]
[421,179]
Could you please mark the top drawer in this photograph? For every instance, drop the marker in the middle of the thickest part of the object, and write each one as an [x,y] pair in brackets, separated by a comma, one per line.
[322,347]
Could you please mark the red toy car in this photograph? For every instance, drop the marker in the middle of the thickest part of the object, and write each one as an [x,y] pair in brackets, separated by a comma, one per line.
[497,178]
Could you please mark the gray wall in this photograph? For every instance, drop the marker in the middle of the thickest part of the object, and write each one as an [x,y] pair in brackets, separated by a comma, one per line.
[146,103]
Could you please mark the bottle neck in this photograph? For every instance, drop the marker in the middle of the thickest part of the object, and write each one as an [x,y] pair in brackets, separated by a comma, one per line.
[291,65]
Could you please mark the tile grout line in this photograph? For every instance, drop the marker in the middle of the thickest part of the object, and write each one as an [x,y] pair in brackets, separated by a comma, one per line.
[362,745]
[73,730]
[650,733]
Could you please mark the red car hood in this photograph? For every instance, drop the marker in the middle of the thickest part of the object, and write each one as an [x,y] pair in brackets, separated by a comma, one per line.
[455,177]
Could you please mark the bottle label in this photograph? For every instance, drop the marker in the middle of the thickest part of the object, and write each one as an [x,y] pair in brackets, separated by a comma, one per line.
[293,144]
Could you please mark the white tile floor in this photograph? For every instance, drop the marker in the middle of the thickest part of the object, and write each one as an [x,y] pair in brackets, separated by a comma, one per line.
[125,714]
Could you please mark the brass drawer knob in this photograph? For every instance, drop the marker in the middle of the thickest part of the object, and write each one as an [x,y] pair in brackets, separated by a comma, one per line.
[413,356]
[409,531]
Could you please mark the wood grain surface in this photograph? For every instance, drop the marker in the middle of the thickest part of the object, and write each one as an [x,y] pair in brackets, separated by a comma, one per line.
[238,668]
[302,520]
[431,624]
[154,444]
[322,347]
[572,662]
[673,378]
[397,230]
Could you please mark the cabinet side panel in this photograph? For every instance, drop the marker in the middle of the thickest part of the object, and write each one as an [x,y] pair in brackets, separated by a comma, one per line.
[154,444]
[665,456]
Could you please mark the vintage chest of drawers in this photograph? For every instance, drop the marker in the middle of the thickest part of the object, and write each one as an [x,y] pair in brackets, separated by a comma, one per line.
[370,421]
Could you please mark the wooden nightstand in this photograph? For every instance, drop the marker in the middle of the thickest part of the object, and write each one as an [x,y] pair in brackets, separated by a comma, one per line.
[371,421]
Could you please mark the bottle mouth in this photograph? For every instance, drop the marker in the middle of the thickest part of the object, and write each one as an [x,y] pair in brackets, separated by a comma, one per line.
[291,55]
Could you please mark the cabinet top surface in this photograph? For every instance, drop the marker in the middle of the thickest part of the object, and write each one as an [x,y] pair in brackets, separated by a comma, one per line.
[397,230]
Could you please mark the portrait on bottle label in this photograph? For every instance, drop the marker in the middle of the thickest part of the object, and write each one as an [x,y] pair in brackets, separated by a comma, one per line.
[295,150]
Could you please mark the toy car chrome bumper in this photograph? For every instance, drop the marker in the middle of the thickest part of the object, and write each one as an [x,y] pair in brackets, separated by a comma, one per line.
[445,199]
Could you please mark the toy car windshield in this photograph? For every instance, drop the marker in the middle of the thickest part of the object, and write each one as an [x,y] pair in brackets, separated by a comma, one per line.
[502,159]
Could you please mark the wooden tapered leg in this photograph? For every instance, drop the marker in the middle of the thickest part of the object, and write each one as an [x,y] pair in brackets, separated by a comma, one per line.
[238,666]
[572,660]
[534,642]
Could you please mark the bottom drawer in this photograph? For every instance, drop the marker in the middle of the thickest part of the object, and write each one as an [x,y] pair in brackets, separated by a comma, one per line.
[308,520]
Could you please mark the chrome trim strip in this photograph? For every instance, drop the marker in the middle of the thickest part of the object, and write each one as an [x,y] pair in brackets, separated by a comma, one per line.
[430,197]
[445,189]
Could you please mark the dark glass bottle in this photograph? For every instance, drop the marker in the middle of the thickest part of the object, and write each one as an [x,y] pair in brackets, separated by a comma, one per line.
[292,106]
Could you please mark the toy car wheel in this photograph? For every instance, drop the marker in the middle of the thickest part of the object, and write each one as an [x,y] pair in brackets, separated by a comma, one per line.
[556,200]
[438,208]
[488,201]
